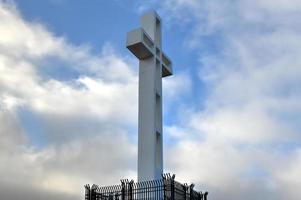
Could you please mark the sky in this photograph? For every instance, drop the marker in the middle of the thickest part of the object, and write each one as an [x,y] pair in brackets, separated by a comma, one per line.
[69,96]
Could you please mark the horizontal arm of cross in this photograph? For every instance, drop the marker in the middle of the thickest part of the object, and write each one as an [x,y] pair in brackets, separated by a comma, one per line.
[142,46]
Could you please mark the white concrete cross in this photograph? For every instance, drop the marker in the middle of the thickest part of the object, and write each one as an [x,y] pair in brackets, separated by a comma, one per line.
[145,44]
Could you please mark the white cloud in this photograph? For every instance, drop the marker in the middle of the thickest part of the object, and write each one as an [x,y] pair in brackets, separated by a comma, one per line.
[288,176]
[20,38]
[242,145]
[77,130]
[238,145]
[101,100]
[100,89]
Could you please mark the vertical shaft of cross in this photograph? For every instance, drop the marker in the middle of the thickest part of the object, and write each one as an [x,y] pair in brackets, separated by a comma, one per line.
[150,155]
[145,43]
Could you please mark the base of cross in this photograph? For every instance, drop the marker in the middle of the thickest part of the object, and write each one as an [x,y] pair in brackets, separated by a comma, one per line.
[165,188]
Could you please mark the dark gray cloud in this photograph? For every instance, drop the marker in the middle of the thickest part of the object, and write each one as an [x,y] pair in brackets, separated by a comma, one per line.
[28,192]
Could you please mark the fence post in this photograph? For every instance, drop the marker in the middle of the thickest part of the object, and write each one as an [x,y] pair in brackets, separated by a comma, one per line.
[184,186]
[131,189]
[172,187]
[191,193]
[93,192]
[87,192]
[164,186]
[205,195]
[200,196]
[122,190]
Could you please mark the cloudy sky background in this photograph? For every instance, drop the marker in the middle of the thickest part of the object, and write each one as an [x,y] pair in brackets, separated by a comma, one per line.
[68,96]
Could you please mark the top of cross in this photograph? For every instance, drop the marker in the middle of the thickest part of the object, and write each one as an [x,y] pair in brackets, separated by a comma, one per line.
[151,24]
[146,42]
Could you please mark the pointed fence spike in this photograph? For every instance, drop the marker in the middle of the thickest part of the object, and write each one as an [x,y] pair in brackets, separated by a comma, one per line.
[173,176]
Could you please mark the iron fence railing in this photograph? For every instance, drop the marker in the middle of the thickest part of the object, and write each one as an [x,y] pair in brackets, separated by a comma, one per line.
[163,189]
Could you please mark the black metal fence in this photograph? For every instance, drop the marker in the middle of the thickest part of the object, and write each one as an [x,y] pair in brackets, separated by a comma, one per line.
[164,189]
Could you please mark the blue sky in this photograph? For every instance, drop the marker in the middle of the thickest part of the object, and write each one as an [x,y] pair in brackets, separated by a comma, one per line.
[98,23]
[68,96]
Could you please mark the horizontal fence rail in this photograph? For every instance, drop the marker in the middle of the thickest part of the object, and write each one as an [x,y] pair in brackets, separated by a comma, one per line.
[163,189]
